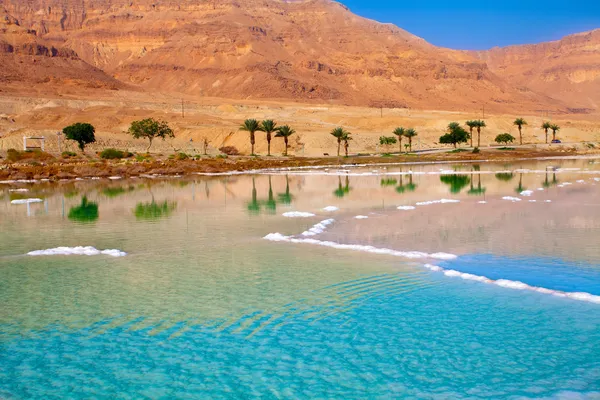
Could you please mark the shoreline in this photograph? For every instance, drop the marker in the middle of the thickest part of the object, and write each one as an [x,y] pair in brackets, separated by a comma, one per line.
[57,170]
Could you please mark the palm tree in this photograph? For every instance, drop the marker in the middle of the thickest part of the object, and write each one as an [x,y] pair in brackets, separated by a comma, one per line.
[410,134]
[268,126]
[545,127]
[338,133]
[555,128]
[480,124]
[471,124]
[400,133]
[285,132]
[519,122]
[346,138]
[252,126]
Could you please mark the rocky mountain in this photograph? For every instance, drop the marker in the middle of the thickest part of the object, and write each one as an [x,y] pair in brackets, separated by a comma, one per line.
[303,50]
[29,61]
[567,69]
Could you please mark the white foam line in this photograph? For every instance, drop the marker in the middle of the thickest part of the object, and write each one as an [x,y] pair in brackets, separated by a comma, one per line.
[526,193]
[18,190]
[330,208]
[278,237]
[505,283]
[510,198]
[406,208]
[318,228]
[298,214]
[77,251]
[442,201]
[361,217]
[26,201]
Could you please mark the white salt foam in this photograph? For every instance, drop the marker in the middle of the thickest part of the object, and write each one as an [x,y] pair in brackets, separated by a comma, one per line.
[442,201]
[516,285]
[406,208]
[77,251]
[277,237]
[330,208]
[318,228]
[361,217]
[26,201]
[510,198]
[526,193]
[482,202]
[298,214]
[18,190]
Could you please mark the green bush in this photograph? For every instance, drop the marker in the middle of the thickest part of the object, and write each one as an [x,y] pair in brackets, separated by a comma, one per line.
[68,154]
[181,156]
[114,154]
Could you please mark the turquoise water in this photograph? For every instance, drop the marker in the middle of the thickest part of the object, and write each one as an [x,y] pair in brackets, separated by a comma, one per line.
[203,307]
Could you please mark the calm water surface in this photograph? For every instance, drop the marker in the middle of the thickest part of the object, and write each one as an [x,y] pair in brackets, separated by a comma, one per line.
[492,293]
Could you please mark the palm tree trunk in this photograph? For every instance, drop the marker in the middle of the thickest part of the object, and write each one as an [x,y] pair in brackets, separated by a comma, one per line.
[546,136]
[285,139]
[471,129]
[553,135]
[339,145]
[269,144]
[252,141]
[478,137]
[346,148]
[410,144]
[520,135]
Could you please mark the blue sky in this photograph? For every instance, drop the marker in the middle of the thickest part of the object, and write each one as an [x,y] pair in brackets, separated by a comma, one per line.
[473,25]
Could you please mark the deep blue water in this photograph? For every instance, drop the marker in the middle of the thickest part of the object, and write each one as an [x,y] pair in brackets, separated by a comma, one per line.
[453,339]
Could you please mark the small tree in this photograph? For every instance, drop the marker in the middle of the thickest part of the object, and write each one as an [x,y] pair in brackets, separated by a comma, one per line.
[400,133]
[268,126]
[504,138]
[546,126]
[150,129]
[410,134]
[339,134]
[82,133]
[456,134]
[387,141]
[285,132]
[555,128]
[519,122]
[252,126]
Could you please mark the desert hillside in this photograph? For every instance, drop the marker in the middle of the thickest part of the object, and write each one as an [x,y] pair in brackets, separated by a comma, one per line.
[308,51]
[568,69]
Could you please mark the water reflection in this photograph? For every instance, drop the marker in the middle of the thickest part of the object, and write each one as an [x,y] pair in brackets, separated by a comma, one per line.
[456,182]
[505,176]
[154,210]
[286,197]
[85,212]
[547,183]
[479,190]
[520,188]
[344,190]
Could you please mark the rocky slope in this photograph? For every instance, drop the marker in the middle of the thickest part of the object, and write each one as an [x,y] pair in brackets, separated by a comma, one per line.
[29,61]
[303,50]
[568,69]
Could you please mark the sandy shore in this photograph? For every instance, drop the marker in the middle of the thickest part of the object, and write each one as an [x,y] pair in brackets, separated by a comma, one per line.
[57,169]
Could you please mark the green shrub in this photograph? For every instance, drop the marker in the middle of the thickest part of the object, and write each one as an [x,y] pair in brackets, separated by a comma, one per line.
[68,154]
[181,156]
[222,156]
[13,155]
[504,138]
[114,154]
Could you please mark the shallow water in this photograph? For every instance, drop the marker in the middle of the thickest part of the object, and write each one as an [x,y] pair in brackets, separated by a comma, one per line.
[474,296]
